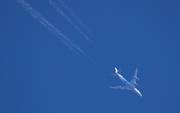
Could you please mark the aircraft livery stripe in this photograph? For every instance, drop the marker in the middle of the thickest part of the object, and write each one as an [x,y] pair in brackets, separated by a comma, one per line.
[126,81]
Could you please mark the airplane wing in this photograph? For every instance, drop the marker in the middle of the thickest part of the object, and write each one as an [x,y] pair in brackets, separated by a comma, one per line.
[133,81]
[118,87]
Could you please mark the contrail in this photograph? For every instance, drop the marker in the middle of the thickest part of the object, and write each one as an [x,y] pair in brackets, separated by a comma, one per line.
[74,16]
[52,28]
[68,19]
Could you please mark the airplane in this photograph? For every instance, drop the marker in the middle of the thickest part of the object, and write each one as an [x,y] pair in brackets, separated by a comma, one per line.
[129,85]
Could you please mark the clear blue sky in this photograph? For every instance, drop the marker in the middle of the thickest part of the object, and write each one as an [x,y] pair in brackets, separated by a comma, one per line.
[57,57]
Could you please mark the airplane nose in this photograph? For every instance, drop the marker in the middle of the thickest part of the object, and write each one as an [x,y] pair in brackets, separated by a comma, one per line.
[138,92]
[140,95]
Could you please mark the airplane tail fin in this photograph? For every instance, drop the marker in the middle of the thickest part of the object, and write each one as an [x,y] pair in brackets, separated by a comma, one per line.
[116,71]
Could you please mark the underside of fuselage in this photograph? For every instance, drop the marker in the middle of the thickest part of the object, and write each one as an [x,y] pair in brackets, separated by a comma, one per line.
[137,92]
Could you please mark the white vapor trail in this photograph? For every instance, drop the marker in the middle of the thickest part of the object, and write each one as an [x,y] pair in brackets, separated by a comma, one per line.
[51,28]
[68,19]
[74,16]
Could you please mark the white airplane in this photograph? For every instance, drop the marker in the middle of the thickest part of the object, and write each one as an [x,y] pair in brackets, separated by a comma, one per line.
[129,85]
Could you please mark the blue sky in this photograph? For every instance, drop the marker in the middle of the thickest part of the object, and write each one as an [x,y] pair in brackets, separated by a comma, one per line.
[59,56]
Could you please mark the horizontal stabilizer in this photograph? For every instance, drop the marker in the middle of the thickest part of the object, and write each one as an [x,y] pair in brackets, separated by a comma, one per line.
[113,87]
[114,74]
[118,87]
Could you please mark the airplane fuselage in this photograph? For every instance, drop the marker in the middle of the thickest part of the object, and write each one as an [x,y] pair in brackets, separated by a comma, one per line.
[137,92]
[130,87]
[122,78]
